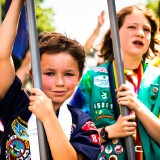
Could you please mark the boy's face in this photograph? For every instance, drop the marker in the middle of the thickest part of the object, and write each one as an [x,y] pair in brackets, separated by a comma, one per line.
[60,76]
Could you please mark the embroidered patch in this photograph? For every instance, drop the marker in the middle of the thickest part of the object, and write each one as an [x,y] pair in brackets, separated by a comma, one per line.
[105,116]
[94,138]
[17,148]
[115,141]
[100,69]
[108,149]
[118,149]
[89,125]
[102,105]
[103,157]
[101,81]
[154,91]
[104,95]
[113,157]
[19,130]
[102,148]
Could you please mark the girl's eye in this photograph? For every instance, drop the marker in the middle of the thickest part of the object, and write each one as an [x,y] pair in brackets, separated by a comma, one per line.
[147,29]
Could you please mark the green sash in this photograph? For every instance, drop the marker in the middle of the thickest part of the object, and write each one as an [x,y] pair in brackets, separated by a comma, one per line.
[103,111]
[147,95]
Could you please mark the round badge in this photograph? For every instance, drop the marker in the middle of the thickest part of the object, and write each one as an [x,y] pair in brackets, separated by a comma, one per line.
[17,148]
[118,149]
[102,148]
[155,89]
[108,149]
[113,157]
[115,141]
[102,158]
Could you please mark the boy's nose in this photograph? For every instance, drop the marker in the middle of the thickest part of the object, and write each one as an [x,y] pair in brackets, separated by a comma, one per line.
[60,81]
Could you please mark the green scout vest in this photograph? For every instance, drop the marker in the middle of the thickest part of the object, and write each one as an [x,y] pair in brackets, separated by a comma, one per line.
[104,110]
[149,94]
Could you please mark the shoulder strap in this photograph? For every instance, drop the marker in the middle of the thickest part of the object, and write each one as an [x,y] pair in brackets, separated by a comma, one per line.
[112,81]
[150,84]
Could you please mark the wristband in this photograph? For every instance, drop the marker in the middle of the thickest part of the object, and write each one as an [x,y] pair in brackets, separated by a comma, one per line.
[104,134]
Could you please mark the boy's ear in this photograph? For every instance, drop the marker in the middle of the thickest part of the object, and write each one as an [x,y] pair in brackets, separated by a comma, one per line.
[111,36]
[80,76]
[30,73]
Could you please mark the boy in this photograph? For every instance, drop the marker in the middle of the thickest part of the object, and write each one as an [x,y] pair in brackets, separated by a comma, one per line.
[70,133]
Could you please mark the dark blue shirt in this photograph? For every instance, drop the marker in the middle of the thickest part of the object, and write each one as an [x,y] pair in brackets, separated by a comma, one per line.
[14,114]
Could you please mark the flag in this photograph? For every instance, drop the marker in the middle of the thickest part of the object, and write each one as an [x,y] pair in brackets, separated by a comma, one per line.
[21,41]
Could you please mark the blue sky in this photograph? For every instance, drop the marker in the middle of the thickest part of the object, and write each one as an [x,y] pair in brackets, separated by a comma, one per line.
[78,18]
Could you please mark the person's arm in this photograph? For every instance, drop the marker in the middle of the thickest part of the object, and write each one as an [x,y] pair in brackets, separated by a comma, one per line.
[59,145]
[82,99]
[8,32]
[123,127]
[147,118]
[126,97]
[90,41]
[24,69]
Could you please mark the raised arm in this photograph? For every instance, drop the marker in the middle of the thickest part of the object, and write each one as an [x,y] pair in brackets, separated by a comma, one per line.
[90,41]
[8,32]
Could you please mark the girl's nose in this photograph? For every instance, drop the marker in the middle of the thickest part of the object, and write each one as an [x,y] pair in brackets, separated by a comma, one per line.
[140,33]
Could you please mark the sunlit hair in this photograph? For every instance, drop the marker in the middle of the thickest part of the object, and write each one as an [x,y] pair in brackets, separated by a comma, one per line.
[55,43]
[106,50]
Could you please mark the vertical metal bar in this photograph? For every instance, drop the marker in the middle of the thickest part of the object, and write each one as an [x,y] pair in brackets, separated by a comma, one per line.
[159,13]
[119,69]
[0,12]
[33,40]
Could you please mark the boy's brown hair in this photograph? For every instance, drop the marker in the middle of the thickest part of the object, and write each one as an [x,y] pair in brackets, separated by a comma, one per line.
[54,43]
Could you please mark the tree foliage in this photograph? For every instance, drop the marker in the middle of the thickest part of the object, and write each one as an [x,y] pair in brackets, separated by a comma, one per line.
[44,16]
[155,6]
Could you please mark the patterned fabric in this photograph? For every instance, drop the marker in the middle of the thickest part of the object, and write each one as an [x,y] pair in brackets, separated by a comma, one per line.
[14,114]
[96,96]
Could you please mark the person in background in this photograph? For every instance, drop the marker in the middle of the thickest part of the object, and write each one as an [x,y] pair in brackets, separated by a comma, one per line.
[70,133]
[23,72]
[89,44]
[99,95]
[92,52]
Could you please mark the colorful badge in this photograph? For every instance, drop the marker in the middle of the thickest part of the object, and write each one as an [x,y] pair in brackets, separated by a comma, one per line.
[113,157]
[101,81]
[115,141]
[118,149]
[89,125]
[108,149]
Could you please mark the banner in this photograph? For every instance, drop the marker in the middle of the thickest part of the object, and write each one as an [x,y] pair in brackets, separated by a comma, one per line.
[21,41]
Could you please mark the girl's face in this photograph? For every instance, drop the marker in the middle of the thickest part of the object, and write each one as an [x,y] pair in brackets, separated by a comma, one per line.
[135,34]
[60,76]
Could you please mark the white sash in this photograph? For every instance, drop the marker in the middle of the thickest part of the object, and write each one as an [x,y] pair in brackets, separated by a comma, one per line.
[33,138]
[65,120]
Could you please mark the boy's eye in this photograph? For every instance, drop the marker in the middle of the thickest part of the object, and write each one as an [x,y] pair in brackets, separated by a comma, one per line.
[69,74]
[50,74]
[132,27]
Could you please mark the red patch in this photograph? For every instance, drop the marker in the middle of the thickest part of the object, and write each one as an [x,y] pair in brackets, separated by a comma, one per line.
[95,138]
[89,126]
